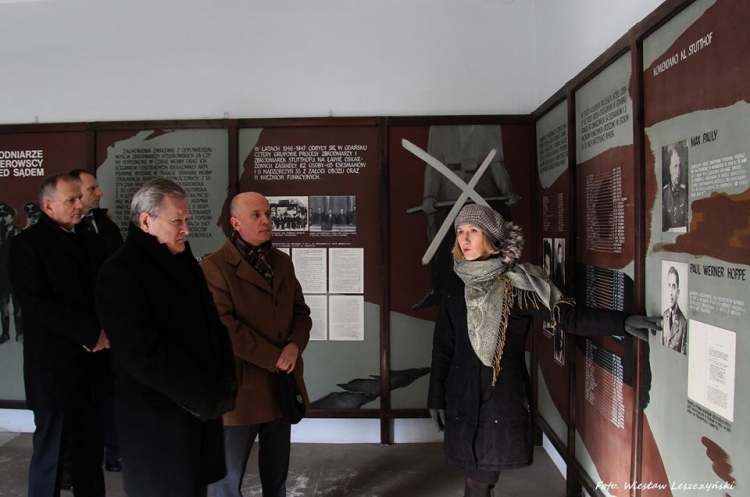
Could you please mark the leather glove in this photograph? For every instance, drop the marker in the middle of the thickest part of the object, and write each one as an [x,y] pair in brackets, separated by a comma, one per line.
[639,326]
[438,418]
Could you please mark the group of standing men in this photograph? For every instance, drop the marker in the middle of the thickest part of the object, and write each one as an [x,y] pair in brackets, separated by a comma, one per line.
[189,344]
[328,220]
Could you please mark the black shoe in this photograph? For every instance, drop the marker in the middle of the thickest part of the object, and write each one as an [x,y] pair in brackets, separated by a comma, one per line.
[113,465]
[4,337]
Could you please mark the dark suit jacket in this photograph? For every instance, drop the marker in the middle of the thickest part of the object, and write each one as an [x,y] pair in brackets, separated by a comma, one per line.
[674,207]
[54,283]
[173,364]
[675,337]
[102,244]
[326,223]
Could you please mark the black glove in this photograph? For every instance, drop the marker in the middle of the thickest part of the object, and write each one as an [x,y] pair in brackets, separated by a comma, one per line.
[639,326]
[438,418]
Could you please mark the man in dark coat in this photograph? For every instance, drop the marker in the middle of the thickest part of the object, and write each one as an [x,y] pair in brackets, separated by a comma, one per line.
[99,233]
[65,374]
[342,218]
[174,371]
[328,220]
[100,238]
[317,217]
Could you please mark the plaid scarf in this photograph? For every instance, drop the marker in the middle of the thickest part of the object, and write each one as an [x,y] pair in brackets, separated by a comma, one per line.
[491,288]
[259,257]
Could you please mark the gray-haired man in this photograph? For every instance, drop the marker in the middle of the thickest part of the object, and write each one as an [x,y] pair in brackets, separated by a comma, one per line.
[173,360]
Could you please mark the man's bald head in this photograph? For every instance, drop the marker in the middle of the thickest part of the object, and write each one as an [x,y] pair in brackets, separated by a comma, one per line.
[242,199]
[251,217]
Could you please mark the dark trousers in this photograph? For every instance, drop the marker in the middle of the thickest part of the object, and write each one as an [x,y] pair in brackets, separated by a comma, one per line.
[50,438]
[273,457]
[111,447]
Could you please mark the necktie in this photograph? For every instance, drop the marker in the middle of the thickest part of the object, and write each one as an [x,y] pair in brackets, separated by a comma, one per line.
[90,226]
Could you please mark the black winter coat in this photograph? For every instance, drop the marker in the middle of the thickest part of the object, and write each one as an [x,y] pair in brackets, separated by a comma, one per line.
[174,367]
[53,280]
[490,427]
[101,244]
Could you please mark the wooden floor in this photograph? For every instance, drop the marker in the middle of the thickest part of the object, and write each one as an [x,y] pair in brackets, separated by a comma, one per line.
[336,470]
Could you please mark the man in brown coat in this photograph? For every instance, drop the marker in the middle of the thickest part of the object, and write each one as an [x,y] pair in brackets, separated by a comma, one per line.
[261,303]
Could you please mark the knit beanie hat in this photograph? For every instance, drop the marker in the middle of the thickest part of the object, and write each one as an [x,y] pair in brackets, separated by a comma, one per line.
[486,219]
[504,234]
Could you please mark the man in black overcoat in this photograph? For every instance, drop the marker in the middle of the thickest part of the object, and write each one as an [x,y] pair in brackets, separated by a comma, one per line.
[100,238]
[65,374]
[174,368]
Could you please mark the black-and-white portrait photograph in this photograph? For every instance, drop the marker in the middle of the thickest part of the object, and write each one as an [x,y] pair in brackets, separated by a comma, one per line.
[333,213]
[674,192]
[289,213]
[549,269]
[559,261]
[8,230]
[547,256]
[674,301]
[559,353]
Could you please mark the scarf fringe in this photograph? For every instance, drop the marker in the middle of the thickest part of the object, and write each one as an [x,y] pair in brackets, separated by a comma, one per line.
[526,300]
[509,293]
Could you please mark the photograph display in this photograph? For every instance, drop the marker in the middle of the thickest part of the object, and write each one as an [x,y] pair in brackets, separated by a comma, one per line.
[696,265]
[554,204]
[288,213]
[674,300]
[316,179]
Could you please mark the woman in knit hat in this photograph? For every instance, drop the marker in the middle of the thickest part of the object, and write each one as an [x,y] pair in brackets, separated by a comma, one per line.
[479,385]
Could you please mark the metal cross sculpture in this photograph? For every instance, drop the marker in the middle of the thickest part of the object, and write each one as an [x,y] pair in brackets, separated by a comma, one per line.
[467,190]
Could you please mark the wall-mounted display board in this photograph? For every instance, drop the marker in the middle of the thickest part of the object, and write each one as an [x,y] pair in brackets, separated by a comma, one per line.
[323,184]
[553,233]
[605,192]
[25,158]
[697,120]
[421,199]
[197,159]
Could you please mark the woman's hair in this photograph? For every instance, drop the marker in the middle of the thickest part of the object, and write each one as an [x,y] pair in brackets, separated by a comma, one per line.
[488,248]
